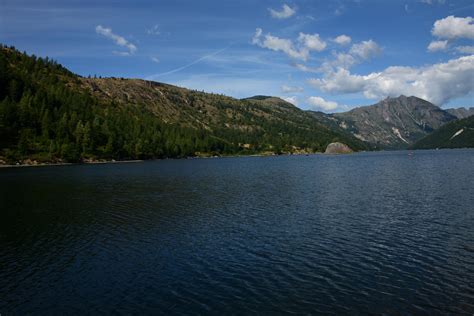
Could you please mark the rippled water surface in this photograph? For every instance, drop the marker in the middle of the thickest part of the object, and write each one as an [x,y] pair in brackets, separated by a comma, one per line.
[369,233]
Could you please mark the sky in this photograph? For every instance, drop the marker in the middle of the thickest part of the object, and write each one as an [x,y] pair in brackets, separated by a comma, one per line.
[329,56]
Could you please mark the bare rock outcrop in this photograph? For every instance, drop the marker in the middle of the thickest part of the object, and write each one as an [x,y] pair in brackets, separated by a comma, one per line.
[338,148]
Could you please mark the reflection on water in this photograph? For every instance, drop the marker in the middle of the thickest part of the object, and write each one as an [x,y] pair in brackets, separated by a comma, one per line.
[366,233]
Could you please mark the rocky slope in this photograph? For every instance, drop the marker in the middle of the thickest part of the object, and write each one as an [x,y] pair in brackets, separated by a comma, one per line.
[391,123]
[461,113]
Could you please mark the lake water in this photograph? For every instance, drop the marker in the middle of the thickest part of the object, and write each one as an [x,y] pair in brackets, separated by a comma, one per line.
[368,233]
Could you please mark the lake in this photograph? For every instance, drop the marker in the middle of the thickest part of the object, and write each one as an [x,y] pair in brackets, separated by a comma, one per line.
[368,233]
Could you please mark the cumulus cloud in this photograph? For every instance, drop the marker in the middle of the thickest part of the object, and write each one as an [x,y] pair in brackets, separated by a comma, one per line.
[437,83]
[341,60]
[119,40]
[293,100]
[342,40]
[312,42]
[288,89]
[435,46]
[321,104]
[358,53]
[453,27]
[300,50]
[365,49]
[285,12]
[279,44]
[340,81]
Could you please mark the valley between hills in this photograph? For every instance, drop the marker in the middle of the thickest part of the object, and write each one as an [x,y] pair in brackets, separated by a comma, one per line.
[50,115]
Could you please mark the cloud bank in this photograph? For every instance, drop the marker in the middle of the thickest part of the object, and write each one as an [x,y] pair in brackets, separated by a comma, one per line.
[436,83]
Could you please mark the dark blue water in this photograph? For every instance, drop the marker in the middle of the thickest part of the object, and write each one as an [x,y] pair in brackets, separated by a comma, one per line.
[369,233]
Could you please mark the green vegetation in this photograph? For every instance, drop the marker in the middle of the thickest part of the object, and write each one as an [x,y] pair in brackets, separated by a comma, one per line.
[444,137]
[49,114]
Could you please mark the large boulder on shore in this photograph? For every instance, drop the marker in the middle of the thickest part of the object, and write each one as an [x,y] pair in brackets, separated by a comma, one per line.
[338,148]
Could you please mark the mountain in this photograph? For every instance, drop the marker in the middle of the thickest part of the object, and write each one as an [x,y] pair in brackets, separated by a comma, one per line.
[392,123]
[461,113]
[47,113]
[456,134]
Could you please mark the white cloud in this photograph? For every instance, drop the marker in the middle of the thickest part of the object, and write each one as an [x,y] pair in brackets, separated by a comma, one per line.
[358,52]
[340,81]
[284,45]
[285,12]
[305,44]
[437,83]
[293,100]
[288,89]
[312,42]
[342,60]
[453,27]
[155,59]
[154,30]
[321,104]
[279,44]
[119,40]
[435,46]
[365,49]
[465,49]
[342,40]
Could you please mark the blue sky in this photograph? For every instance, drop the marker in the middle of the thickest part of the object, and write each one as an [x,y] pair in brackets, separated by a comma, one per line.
[324,55]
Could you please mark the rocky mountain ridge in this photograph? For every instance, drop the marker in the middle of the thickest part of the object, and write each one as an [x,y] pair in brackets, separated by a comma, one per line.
[462,112]
[392,123]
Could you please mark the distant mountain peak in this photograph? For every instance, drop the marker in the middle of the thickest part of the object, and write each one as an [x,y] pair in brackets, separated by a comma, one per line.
[394,122]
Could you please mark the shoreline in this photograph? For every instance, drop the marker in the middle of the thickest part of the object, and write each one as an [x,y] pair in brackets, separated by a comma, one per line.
[46,164]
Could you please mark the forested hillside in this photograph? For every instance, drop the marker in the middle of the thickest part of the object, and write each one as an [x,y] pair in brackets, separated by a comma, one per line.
[456,134]
[49,114]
